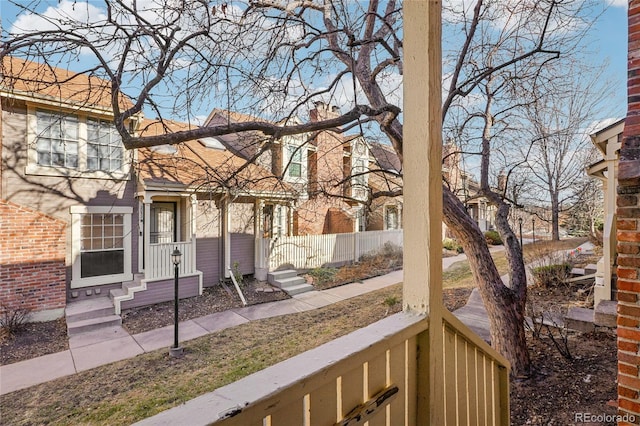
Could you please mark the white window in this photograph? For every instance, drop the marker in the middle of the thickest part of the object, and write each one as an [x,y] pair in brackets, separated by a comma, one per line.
[359,172]
[391,218]
[101,245]
[74,145]
[104,146]
[295,166]
[57,140]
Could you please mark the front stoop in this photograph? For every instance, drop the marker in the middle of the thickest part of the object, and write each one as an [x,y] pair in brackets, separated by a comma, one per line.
[289,282]
[580,319]
[89,315]
[606,314]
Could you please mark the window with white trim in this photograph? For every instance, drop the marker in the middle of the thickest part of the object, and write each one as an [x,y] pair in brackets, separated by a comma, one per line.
[74,145]
[391,217]
[57,141]
[104,146]
[101,247]
[295,161]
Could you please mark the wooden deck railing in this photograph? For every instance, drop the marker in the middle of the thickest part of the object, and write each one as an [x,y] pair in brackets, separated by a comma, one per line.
[159,265]
[369,375]
[313,251]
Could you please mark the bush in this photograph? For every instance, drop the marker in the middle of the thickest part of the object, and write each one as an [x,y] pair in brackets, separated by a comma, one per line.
[12,319]
[551,275]
[493,238]
[323,275]
[452,245]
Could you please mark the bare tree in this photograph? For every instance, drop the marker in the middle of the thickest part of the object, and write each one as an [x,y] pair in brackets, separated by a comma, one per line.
[273,58]
[560,122]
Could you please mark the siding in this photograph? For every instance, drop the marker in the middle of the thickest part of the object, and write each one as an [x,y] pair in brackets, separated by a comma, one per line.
[242,251]
[163,291]
[208,260]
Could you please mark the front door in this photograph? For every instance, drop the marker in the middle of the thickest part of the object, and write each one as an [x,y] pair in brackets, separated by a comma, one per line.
[163,223]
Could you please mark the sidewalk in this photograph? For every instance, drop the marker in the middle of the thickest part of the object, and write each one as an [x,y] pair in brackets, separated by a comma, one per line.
[93,349]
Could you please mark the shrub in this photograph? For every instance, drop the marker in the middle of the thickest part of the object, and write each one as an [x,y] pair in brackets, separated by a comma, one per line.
[493,238]
[551,275]
[452,245]
[323,275]
[12,319]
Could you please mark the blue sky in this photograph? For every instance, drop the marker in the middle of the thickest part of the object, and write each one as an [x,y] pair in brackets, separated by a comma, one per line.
[608,41]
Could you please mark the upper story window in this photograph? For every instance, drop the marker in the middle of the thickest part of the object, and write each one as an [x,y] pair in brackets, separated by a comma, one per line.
[57,142]
[62,144]
[104,147]
[360,170]
[295,161]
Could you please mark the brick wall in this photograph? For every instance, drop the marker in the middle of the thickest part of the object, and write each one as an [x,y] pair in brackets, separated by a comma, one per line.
[628,234]
[32,261]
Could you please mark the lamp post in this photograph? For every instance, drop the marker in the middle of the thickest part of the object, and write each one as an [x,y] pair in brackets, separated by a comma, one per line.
[533,224]
[520,223]
[175,350]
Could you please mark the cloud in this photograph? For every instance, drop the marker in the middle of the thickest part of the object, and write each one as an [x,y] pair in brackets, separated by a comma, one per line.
[66,10]
[617,3]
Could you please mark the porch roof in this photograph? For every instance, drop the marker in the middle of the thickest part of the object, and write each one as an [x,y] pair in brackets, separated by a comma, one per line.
[193,166]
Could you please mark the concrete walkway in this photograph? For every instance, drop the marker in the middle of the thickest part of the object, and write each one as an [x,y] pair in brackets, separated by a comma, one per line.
[93,349]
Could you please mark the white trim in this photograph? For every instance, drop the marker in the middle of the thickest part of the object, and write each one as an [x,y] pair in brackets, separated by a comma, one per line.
[76,280]
[33,168]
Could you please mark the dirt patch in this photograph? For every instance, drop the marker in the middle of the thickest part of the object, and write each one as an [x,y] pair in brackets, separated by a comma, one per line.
[214,299]
[34,340]
[561,389]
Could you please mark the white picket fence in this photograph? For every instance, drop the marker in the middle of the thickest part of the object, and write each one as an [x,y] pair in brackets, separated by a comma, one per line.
[313,251]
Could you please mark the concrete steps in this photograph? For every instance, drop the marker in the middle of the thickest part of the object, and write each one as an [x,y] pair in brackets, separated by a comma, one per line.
[586,320]
[289,282]
[90,315]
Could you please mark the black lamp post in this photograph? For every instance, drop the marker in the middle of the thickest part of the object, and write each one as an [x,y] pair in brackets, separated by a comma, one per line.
[175,350]
[520,223]
[533,224]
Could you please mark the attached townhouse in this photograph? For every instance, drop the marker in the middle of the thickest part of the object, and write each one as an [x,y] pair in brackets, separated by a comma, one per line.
[122,212]
[334,175]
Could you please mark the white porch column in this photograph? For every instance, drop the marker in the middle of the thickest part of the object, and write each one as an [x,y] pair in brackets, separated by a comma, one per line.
[609,240]
[147,230]
[260,272]
[422,165]
[225,236]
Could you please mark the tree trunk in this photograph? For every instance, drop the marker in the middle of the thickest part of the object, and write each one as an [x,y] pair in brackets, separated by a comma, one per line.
[555,216]
[505,306]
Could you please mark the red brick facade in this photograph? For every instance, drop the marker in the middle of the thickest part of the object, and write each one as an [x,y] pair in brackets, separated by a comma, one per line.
[32,260]
[628,234]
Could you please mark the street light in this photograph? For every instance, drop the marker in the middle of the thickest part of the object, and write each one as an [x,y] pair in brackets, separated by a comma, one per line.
[176,350]
[520,223]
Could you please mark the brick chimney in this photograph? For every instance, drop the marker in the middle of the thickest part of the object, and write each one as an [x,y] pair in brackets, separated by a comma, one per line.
[323,111]
[628,233]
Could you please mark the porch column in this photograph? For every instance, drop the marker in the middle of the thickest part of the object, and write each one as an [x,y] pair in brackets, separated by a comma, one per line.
[147,231]
[422,165]
[192,233]
[260,269]
[225,236]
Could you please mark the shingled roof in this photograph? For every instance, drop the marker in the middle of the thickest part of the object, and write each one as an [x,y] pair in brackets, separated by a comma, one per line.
[36,80]
[193,165]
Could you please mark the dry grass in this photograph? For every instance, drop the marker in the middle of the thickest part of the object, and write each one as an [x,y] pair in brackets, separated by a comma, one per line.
[131,390]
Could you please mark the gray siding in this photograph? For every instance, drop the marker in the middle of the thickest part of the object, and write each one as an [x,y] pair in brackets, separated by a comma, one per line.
[242,251]
[163,291]
[208,260]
